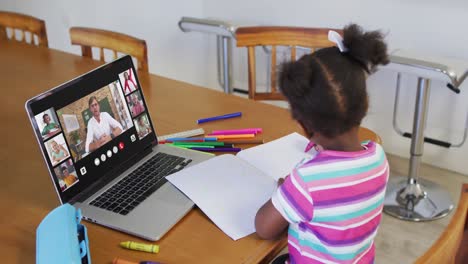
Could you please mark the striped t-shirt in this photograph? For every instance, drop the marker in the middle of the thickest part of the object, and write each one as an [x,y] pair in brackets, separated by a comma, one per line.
[333,203]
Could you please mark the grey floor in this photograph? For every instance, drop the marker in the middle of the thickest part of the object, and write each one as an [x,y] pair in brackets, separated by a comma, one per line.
[403,242]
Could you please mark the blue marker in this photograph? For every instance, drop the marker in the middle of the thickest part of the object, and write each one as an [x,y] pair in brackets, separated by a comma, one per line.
[209,119]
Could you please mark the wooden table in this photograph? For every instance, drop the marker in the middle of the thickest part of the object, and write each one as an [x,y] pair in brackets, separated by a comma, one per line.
[26,191]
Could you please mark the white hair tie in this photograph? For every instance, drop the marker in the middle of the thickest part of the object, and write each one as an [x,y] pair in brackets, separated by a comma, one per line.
[336,38]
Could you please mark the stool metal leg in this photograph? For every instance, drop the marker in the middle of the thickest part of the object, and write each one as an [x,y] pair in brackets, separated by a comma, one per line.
[224,49]
[412,198]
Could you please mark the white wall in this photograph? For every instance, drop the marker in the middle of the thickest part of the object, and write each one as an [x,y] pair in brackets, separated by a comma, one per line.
[426,26]
[171,52]
[429,26]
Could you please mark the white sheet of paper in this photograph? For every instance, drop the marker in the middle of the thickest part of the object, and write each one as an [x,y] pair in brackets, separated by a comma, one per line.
[229,190]
[278,157]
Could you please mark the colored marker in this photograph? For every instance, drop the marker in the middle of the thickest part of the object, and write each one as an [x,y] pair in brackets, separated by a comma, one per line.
[243,141]
[218,149]
[140,246]
[209,143]
[192,146]
[235,136]
[206,153]
[171,141]
[192,139]
[237,131]
[124,261]
[232,133]
[225,146]
[214,118]
[176,146]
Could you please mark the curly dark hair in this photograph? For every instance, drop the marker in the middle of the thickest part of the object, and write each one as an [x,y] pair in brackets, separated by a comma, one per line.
[326,90]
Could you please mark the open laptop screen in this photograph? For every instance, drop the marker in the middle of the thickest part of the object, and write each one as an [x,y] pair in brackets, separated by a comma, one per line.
[91,125]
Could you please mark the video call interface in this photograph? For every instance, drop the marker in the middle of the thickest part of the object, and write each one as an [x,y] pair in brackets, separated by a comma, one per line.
[89,126]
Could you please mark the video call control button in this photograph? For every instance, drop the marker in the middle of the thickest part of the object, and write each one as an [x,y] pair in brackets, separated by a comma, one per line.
[133,137]
[97,161]
[115,149]
[103,157]
[121,145]
[109,153]
[83,170]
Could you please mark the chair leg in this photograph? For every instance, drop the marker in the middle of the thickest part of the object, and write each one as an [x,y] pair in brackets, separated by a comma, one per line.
[412,198]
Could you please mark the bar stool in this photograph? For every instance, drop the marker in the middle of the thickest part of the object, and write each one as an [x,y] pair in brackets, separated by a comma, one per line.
[412,198]
[225,33]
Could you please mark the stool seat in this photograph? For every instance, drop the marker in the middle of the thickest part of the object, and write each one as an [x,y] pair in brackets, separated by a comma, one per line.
[411,198]
[449,70]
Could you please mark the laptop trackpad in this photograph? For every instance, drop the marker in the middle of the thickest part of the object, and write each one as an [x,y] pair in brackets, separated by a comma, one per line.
[169,194]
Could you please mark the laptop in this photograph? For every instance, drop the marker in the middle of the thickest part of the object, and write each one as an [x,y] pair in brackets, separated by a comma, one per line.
[102,152]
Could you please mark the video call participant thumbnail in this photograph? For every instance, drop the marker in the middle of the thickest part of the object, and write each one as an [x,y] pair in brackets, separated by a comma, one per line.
[136,104]
[50,126]
[142,126]
[66,175]
[47,124]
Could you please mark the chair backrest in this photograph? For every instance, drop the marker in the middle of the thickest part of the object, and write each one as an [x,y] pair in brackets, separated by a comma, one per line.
[445,249]
[23,24]
[367,134]
[116,42]
[250,37]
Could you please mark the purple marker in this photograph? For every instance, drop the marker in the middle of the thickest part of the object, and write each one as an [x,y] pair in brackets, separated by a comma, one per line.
[217,149]
[214,118]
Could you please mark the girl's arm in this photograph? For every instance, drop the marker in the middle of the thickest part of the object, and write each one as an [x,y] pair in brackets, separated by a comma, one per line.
[269,223]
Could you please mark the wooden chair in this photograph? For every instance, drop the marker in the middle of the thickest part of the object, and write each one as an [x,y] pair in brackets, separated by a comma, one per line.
[312,38]
[367,134]
[24,24]
[452,245]
[293,37]
[104,39]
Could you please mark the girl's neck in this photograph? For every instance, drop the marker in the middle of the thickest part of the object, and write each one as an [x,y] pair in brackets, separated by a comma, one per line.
[348,141]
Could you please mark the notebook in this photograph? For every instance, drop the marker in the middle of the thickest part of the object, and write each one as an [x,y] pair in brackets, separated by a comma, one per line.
[102,152]
[230,189]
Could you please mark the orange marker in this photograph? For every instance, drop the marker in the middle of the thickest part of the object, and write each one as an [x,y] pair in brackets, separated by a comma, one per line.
[122,261]
[243,141]
[235,136]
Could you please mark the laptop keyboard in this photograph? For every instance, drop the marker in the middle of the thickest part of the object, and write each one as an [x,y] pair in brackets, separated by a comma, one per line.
[130,191]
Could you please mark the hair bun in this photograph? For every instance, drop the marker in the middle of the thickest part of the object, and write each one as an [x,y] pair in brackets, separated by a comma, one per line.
[293,75]
[368,48]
